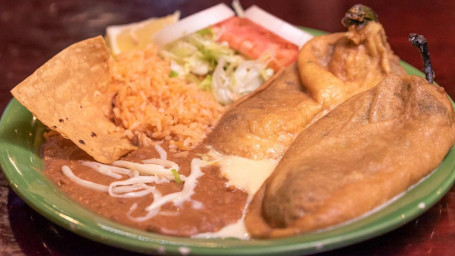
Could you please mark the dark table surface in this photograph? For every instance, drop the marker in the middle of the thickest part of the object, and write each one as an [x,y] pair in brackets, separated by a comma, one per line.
[33,31]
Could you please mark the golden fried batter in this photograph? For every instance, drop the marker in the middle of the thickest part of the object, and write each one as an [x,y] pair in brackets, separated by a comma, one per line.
[337,66]
[366,151]
[265,124]
[332,68]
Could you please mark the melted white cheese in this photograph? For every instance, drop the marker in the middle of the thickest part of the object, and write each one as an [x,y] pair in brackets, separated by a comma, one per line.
[234,230]
[244,173]
[247,175]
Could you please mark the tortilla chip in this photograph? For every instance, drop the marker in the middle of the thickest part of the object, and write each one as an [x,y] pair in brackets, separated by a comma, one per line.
[69,94]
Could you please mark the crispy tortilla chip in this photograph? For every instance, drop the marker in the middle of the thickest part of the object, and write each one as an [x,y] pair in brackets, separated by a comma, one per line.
[69,94]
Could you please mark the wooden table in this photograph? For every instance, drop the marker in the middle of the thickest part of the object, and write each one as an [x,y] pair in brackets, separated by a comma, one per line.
[33,31]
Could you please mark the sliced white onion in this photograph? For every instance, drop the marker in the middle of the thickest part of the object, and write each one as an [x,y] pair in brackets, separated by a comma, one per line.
[133,192]
[277,26]
[161,152]
[127,188]
[107,170]
[134,187]
[193,23]
[177,198]
[165,163]
[169,213]
[185,194]
[85,183]
[148,169]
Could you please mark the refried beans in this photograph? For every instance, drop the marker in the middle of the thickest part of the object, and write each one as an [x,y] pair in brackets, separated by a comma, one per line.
[222,204]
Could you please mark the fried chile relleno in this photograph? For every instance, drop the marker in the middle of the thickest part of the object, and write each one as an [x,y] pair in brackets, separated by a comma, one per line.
[331,68]
[337,66]
[378,143]
[265,124]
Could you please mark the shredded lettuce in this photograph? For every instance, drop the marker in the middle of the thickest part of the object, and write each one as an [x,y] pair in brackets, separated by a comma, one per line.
[173,73]
[214,66]
[206,84]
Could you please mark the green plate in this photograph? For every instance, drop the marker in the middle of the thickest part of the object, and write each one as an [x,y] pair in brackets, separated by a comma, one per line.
[20,140]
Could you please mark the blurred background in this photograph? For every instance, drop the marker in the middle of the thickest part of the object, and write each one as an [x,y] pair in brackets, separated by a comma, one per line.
[33,31]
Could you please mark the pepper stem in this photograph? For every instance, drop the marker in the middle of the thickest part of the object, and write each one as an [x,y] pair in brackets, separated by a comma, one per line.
[359,15]
[420,42]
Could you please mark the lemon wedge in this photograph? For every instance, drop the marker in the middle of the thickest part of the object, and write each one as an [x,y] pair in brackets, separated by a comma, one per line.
[137,35]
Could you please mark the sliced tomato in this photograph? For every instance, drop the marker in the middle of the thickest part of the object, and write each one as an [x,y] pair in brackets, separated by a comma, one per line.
[255,41]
